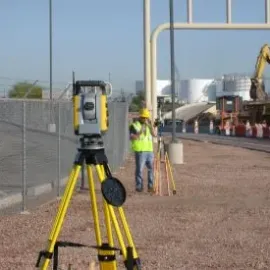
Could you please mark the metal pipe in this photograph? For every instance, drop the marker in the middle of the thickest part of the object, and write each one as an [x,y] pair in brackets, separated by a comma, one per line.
[50,38]
[146,39]
[267,15]
[229,11]
[23,156]
[189,11]
[193,26]
[59,149]
[172,70]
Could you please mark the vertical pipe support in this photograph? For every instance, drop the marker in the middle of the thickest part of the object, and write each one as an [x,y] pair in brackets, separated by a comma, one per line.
[189,11]
[146,39]
[267,15]
[229,11]
[171,9]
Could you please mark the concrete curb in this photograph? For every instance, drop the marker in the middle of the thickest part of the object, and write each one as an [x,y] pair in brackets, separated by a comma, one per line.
[10,200]
[227,142]
[32,191]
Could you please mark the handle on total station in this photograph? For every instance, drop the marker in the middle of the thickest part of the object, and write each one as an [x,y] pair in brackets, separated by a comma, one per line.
[91,83]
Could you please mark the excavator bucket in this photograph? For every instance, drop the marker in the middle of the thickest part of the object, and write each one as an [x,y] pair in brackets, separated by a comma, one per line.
[257,90]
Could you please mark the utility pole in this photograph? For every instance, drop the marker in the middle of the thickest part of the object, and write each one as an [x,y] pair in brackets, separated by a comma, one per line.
[175,149]
[50,38]
[172,70]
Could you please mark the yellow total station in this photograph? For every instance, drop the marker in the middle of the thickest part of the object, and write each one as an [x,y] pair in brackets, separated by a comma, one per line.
[90,107]
[89,124]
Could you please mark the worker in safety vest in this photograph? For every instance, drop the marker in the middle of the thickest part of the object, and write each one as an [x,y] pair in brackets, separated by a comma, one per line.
[142,132]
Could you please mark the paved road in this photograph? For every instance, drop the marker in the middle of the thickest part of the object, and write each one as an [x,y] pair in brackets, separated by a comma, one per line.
[249,143]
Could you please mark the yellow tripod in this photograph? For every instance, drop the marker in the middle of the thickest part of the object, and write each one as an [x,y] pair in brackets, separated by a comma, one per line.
[166,174]
[114,195]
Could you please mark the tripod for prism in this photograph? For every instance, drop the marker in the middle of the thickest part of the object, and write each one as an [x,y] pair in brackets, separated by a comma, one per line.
[165,176]
[91,151]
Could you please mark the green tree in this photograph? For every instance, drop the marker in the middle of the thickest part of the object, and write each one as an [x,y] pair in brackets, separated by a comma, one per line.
[21,88]
[137,102]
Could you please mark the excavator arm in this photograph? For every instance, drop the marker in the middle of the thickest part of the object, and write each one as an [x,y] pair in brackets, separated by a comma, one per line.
[257,88]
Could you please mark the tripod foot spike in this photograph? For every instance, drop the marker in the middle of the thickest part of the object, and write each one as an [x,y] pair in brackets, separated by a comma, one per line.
[130,262]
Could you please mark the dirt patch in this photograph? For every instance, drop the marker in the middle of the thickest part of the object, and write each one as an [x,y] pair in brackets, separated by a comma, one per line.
[219,218]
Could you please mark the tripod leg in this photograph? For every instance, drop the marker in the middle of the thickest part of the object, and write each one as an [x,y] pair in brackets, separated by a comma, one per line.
[127,231]
[116,225]
[112,215]
[113,264]
[167,175]
[160,175]
[91,185]
[59,220]
[157,174]
[171,174]
[106,258]
[63,200]
[158,178]
[107,216]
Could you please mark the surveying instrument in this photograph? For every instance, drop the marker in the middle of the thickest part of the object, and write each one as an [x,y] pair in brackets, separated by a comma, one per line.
[90,120]
[162,160]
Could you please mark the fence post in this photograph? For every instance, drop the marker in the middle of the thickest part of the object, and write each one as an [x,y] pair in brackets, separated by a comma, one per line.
[114,139]
[24,188]
[127,131]
[23,157]
[58,151]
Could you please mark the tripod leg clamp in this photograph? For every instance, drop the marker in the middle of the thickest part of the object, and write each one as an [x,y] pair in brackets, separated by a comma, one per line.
[44,253]
[106,258]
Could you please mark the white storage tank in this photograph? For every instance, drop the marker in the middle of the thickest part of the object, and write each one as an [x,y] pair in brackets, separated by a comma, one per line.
[163,87]
[242,83]
[219,87]
[229,83]
[183,92]
[197,90]
[211,92]
[237,84]
[244,94]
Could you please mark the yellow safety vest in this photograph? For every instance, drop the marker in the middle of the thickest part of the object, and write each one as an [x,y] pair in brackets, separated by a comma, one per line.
[145,142]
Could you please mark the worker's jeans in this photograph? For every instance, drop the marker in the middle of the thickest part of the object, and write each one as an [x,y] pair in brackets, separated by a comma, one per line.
[144,159]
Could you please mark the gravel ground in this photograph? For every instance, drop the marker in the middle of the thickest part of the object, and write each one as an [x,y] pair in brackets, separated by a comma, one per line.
[219,218]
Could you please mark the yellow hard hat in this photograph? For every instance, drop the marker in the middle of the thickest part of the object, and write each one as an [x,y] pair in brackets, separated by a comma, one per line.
[144,113]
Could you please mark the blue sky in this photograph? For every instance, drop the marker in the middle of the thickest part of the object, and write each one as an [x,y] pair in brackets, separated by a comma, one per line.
[96,38]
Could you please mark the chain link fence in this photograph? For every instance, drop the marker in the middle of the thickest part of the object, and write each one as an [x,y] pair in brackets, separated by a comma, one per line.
[38,146]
